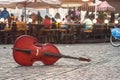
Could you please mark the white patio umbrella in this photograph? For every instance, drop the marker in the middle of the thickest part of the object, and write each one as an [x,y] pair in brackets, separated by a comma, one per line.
[9,3]
[30,3]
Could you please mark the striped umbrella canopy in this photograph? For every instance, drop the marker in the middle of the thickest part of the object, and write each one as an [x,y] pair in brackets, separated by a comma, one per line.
[86,7]
[73,3]
[105,6]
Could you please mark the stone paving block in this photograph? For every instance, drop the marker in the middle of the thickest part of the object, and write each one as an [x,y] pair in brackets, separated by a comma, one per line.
[104,65]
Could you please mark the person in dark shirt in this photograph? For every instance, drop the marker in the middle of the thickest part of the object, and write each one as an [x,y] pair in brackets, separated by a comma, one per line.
[53,23]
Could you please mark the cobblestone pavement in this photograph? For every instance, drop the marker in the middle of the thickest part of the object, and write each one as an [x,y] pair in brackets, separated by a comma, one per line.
[105,64]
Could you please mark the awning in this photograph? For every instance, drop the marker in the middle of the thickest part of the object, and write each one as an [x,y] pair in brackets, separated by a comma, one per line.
[105,6]
[76,1]
[87,7]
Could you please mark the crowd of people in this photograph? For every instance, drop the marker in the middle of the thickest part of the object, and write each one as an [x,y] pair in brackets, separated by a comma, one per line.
[6,19]
[73,17]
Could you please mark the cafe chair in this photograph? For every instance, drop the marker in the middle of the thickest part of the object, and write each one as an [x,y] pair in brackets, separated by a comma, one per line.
[68,35]
[2,25]
[12,34]
[4,36]
[99,32]
[55,33]
[87,32]
[47,35]
[30,29]
[108,32]
[42,36]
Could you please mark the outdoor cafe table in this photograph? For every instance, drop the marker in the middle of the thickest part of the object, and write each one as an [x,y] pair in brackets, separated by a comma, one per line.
[7,35]
[34,29]
[53,35]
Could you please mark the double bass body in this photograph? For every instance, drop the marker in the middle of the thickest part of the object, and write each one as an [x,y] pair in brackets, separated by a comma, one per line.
[27,50]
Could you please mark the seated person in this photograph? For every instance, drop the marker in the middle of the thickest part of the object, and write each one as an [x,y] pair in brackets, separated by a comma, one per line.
[66,21]
[14,24]
[118,25]
[53,23]
[46,22]
[88,23]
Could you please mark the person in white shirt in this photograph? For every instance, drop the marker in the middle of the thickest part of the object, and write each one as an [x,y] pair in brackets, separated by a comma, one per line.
[66,22]
[88,23]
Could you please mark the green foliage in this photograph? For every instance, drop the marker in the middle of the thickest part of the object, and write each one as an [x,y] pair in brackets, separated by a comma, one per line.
[101,15]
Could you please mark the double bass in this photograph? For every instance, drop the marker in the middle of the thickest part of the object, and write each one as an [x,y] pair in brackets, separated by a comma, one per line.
[27,50]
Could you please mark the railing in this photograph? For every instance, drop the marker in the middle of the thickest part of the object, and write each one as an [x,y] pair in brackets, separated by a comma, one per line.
[73,34]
